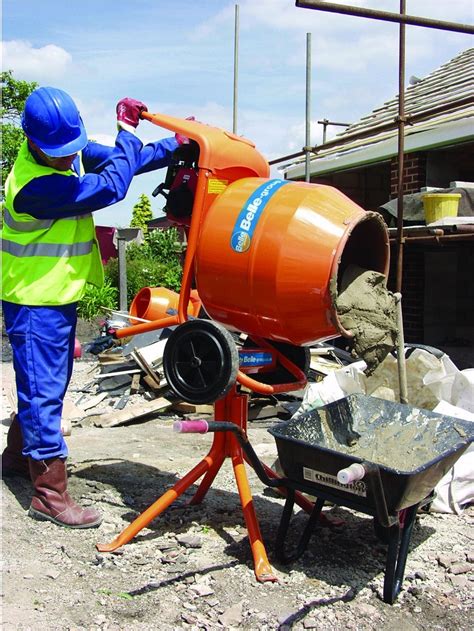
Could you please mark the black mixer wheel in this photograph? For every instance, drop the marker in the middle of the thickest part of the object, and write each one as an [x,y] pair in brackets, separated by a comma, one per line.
[200,361]
[298,355]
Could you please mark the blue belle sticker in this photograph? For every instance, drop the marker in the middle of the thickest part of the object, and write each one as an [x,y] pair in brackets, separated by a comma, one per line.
[249,215]
[255,358]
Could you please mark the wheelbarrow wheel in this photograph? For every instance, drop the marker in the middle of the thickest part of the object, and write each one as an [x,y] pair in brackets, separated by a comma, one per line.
[298,355]
[200,361]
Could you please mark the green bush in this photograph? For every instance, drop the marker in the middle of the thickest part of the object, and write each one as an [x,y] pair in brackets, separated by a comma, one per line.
[95,298]
[144,272]
[164,246]
[155,263]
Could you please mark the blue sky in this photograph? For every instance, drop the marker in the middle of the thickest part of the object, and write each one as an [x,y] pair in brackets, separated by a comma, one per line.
[177,57]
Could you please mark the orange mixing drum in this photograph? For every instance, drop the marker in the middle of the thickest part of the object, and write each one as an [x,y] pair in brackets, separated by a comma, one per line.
[271,253]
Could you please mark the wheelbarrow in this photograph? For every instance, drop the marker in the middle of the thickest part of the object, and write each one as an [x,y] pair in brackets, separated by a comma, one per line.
[377,457]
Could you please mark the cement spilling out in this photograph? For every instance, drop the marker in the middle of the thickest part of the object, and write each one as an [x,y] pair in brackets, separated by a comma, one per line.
[368,310]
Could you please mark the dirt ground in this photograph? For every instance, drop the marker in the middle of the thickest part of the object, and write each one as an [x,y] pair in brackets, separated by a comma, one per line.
[192,568]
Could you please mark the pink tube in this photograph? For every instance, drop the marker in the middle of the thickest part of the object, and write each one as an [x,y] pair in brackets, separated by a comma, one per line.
[191,427]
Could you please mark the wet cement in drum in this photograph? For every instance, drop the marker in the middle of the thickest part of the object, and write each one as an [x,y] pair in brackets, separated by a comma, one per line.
[367,309]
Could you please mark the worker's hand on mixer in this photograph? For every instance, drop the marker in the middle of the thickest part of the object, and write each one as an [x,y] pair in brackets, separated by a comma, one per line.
[183,140]
[128,113]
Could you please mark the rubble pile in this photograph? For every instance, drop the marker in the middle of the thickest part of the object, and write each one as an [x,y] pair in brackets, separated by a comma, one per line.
[126,383]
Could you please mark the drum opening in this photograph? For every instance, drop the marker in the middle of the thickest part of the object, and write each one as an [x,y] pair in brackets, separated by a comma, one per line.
[367,246]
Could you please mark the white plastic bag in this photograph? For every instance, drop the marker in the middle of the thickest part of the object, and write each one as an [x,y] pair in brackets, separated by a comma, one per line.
[455,490]
[337,385]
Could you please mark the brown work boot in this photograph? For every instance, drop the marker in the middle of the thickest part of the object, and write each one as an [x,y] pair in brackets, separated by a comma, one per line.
[13,462]
[51,500]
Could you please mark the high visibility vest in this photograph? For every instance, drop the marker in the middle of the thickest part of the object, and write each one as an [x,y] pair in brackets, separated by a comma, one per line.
[45,261]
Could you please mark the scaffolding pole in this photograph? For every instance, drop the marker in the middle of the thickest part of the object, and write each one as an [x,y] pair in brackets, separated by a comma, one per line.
[308,109]
[236,68]
[386,16]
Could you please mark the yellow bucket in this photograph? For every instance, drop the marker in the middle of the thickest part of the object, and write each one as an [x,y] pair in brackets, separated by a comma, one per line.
[439,205]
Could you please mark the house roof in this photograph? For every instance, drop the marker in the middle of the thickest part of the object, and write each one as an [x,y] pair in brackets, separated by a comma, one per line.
[442,107]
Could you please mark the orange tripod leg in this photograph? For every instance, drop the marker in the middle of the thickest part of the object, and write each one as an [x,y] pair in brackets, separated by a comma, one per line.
[157,507]
[262,567]
[218,455]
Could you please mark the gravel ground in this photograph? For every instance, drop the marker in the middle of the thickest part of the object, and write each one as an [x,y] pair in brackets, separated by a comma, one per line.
[191,568]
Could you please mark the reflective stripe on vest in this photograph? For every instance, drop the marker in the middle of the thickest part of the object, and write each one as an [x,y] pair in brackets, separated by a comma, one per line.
[36,224]
[56,250]
[26,226]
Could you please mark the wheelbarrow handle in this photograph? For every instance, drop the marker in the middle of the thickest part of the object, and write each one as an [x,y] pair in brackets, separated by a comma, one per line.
[351,474]
[198,426]
[201,426]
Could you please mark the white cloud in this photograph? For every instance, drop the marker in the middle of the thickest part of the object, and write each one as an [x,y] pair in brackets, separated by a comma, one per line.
[103,139]
[44,65]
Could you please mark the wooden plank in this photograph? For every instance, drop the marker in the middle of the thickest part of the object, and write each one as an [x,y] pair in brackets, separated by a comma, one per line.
[110,358]
[91,403]
[113,419]
[153,384]
[190,408]
[145,366]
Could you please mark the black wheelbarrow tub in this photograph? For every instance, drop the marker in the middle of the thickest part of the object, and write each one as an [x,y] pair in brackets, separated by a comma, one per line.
[410,448]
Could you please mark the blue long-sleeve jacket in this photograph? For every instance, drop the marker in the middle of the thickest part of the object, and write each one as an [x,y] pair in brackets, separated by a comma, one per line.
[108,174]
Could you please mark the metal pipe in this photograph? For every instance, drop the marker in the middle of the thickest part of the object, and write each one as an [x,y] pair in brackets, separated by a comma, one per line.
[298,154]
[375,14]
[122,265]
[439,239]
[308,109]
[466,228]
[401,148]
[325,122]
[418,231]
[236,68]
[401,363]
[411,119]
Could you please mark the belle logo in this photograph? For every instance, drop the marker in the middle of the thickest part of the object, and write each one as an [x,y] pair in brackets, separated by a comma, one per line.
[240,241]
[244,227]
[252,208]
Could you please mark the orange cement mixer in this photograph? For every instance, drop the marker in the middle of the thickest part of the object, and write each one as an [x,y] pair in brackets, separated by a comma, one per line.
[266,256]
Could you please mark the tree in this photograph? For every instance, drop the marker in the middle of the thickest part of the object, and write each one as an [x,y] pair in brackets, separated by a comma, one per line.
[14,95]
[141,214]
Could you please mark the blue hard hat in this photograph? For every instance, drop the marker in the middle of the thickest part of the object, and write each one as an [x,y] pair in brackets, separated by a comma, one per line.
[52,121]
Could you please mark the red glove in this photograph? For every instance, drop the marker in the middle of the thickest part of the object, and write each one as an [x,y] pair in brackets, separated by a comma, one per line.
[184,140]
[128,113]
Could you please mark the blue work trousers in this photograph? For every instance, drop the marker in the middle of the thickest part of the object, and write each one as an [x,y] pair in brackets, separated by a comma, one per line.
[42,341]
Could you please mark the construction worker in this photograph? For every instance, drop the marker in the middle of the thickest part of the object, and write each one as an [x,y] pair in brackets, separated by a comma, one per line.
[49,254]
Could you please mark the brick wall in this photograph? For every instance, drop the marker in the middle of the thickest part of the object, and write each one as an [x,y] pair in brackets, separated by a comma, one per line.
[413,290]
[414,174]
